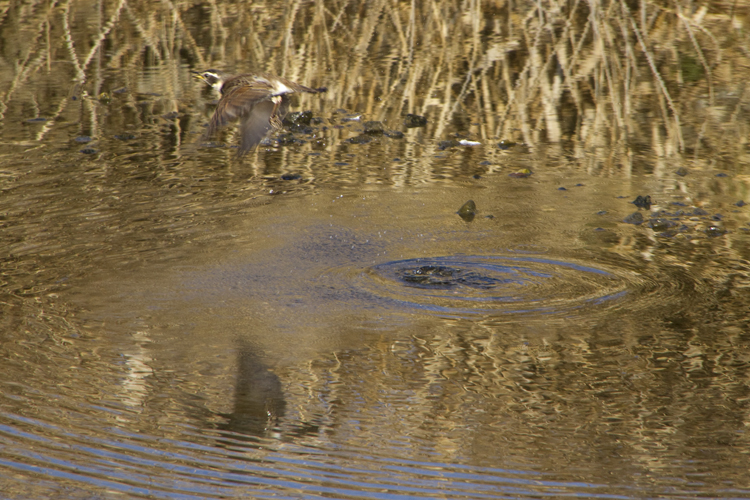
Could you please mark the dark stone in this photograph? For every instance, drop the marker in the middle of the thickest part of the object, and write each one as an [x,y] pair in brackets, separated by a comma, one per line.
[505,144]
[288,138]
[83,139]
[661,224]
[468,210]
[740,203]
[699,211]
[682,171]
[360,139]
[448,144]
[666,234]
[394,134]
[298,118]
[88,151]
[412,121]
[642,202]
[374,128]
[634,218]
[714,231]
[290,177]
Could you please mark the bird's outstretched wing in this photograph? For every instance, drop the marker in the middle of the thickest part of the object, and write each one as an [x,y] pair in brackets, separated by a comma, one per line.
[255,125]
[236,102]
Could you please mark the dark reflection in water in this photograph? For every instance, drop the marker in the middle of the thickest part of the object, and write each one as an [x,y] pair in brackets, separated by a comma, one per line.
[258,397]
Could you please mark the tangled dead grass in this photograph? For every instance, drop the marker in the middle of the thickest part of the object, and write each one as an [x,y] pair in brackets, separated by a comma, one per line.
[668,75]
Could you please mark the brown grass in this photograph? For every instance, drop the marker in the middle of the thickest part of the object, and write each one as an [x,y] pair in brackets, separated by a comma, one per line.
[663,75]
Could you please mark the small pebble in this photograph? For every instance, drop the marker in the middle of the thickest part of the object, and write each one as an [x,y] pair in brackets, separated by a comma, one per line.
[634,218]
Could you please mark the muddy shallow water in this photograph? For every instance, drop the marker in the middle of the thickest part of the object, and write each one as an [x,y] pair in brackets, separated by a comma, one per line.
[318,320]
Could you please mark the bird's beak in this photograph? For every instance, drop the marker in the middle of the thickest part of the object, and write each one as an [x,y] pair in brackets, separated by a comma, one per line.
[198,75]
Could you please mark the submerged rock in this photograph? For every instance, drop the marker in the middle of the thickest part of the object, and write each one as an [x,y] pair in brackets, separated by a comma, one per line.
[634,218]
[298,118]
[521,174]
[642,202]
[467,211]
[447,144]
[660,224]
[360,139]
[374,128]
[412,121]
[288,138]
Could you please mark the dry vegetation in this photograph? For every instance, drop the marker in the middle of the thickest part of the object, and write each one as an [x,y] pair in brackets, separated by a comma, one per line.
[666,75]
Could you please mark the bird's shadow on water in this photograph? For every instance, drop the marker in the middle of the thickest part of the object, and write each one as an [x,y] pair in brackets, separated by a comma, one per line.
[259,405]
[259,402]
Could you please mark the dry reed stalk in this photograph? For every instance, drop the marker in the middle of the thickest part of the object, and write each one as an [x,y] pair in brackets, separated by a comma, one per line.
[512,68]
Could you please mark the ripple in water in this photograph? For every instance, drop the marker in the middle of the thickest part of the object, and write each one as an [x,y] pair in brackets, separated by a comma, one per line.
[467,285]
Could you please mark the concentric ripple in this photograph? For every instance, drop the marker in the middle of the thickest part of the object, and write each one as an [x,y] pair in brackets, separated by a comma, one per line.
[465,285]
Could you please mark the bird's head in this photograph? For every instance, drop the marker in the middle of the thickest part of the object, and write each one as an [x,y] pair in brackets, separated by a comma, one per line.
[213,77]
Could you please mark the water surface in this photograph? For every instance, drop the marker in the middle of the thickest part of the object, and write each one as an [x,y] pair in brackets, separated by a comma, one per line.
[316,320]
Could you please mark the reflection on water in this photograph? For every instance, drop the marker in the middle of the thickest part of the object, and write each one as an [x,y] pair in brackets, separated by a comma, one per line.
[286,355]
[316,320]
[258,398]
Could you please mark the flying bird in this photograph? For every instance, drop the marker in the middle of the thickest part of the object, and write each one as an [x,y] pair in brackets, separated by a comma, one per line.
[258,100]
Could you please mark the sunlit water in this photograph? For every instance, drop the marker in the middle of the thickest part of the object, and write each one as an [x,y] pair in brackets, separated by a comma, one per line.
[361,343]
[318,320]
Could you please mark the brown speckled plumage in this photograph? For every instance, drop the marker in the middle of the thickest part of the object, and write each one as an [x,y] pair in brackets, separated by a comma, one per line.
[259,101]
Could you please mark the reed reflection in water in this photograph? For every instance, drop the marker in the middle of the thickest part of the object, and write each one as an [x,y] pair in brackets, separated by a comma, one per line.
[315,320]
